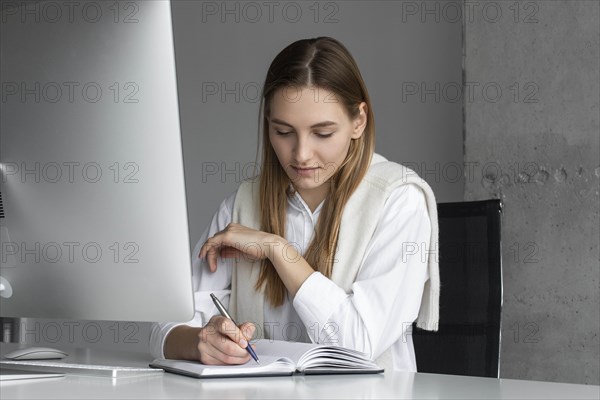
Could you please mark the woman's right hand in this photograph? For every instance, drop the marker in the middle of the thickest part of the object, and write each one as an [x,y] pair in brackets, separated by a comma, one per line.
[220,341]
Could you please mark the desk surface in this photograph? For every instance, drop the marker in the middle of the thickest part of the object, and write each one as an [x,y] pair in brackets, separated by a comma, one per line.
[388,385]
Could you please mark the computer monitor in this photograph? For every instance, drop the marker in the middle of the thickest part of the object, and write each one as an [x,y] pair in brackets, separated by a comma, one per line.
[94,223]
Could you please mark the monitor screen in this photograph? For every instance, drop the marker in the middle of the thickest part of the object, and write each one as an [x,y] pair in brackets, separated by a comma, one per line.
[94,220]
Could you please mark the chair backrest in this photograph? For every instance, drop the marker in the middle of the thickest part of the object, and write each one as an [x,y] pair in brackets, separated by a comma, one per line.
[468,339]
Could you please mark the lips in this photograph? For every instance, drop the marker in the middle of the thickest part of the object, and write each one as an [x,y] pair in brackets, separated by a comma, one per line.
[305,171]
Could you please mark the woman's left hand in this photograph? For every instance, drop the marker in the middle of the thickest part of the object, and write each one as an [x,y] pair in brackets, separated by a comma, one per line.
[238,240]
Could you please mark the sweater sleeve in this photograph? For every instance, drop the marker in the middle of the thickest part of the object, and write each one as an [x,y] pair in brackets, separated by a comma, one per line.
[204,282]
[385,297]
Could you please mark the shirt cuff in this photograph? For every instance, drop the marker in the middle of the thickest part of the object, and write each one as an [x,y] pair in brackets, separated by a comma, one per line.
[316,300]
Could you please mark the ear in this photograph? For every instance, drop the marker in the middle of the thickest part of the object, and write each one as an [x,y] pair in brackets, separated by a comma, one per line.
[360,122]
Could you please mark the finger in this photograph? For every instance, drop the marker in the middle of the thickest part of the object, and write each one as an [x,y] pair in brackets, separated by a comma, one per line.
[212,260]
[225,352]
[206,247]
[248,329]
[203,249]
[209,360]
[212,243]
[209,252]
[218,345]
[227,328]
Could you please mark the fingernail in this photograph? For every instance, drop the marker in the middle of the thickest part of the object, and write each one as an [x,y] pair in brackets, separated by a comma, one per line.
[243,343]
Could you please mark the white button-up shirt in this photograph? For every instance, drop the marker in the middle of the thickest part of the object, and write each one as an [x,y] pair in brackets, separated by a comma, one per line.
[385,298]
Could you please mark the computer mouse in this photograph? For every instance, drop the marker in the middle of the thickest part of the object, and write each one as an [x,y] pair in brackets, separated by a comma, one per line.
[36,353]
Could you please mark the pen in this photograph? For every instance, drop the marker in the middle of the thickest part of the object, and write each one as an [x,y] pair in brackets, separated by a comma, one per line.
[224,313]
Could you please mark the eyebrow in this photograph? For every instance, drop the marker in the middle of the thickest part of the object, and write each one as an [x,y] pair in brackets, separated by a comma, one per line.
[317,125]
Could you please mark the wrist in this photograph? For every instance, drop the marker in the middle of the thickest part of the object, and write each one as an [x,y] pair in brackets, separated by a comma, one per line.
[275,247]
[291,267]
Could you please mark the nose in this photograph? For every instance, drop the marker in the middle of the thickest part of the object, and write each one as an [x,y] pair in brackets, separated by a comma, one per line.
[303,150]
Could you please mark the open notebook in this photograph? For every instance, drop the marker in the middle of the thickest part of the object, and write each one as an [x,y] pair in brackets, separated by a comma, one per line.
[280,358]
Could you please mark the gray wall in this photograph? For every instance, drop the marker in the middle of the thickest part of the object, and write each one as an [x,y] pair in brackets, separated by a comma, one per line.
[537,149]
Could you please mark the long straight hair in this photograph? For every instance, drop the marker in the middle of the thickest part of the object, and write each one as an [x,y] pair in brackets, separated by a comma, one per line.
[325,63]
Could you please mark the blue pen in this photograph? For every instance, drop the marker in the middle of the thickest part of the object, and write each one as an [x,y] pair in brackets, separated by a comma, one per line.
[224,313]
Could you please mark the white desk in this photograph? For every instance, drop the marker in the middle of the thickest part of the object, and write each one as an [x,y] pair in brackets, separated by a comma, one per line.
[390,385]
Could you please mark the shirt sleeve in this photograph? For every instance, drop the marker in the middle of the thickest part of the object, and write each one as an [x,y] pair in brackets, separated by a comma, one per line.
[204,282]
[385,298]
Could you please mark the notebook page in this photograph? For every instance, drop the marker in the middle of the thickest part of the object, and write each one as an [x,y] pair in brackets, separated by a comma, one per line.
[335,357]
[280,348]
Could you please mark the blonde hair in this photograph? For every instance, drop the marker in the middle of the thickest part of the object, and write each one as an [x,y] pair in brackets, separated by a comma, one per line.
[321,62]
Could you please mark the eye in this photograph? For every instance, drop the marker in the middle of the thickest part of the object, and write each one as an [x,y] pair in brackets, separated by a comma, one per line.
[324,135]
[282,133]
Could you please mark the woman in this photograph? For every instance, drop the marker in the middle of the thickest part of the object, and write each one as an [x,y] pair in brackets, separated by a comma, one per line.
[332,244]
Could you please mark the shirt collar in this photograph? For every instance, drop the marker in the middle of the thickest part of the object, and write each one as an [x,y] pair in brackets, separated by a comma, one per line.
[296,201]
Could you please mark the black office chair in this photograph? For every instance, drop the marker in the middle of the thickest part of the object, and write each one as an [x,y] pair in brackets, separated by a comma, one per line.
[468,339]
